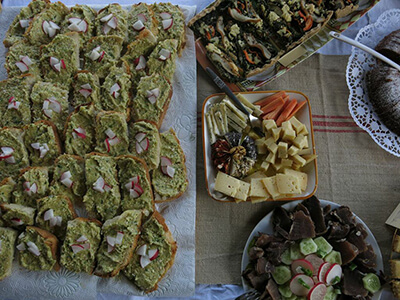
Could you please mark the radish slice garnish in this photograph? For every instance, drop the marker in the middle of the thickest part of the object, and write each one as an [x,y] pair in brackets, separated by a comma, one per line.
[67,182]
[14,105]
[48,113]
[110,133]
[164,54]
[85,93]
[140,63]
[119,237]
[48,214]
[144,261]
[101,56]
[63,65]
[322,271]
[138,189]
[86,86]
[165,161]
[142,250]
[114,89]
[34,188]
[140,136]
[33,248]
[74,20]
[110,248]
[21,247]
[135,179]
[86,246]
[152,99]
[142,18]
[57,67]
[318,292]
[167,24]
[45,27]
[107,187]
[153,254]
[74,27]
[79,132]
[59,220]
[43,150]
[113,23]
[94,54]
[22,66]
[110,240]
[99,185]
[77,248]
[82,239]
[83,26]
[316,262]
[7,150]
[301,284]
[138,26]
[133,194]
[170,171]
[65,175]
[35,146]
[106,29]
[165,15]
[333,272]
[24,23]
[54,25]
[106,18]
[155,92]
[26,60]
[10,160]
[51,32]
[17,221]
[53,222]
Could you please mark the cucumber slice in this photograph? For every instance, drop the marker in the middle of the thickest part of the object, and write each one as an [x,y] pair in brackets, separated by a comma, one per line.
[295,252]
[330,293]
[285,291]
[308,246]
[282,274]
[334,258]
[371,282]
[324,247]
[285,257]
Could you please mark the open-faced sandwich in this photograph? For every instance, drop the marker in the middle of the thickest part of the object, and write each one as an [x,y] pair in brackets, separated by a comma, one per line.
[8,237]
[16,215]
[120,236]
[86,88]
[112,20]
[78,252]
[7,186]
[154,254]
[162,58]
[38,250]
[14,155]
[23,58]
[169,180]
[140,17]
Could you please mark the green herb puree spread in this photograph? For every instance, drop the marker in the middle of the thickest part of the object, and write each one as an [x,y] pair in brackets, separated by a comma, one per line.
[13,138]
[24,213]
[6,189]
[81,78]
[7,238]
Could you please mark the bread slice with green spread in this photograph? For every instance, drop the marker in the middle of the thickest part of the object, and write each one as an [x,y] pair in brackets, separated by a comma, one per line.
[86,88]
[135,184]
[79,132]
[101,53]
[170,179]
[102,199]
[78,252]
[13,153]
[69,177]
[163,58]
[7,186]
[154,254]
[50,102]
[38,250]
[23,58]
[33,184]
[152,99]
[140,18]
[112,133]
[112,20]
[145,142]
[8,237]
[120,236]
[42,141]
[53,214]
[15,215]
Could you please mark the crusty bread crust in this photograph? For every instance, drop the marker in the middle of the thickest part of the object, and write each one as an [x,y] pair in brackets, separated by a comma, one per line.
[89,220]
[166,105]
[6,181]
[50,240]
[24,170]
[57,137]
[184,167]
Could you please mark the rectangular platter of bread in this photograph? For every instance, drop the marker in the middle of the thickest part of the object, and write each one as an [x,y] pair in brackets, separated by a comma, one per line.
[97,190]
[242,166]
[250,42]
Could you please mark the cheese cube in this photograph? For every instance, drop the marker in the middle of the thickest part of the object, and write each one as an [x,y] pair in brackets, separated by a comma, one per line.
[288,134]
[309,158]
[257,188]
[288,184]
[297,159]
[277,166]
[271,158]
[287,125]
[301,141]
[282,150]
[261,148]
[270,185]
[296,166]
[304,131]
[306,151]
[297,125]
[243,192]
[286,163]
[269,125]
[226,184]
[265,166]
[276,133]
[303,177]
[273,148]
[293,150]
[269,141]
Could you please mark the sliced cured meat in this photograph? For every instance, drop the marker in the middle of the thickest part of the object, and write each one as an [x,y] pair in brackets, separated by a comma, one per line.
[302,227]
[314,207]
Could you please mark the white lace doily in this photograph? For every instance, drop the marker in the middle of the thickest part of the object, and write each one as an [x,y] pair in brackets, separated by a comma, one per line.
[359,63]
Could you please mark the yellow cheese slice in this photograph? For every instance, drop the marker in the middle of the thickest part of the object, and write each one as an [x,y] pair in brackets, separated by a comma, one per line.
[270,185]
[257,188]
[288,184]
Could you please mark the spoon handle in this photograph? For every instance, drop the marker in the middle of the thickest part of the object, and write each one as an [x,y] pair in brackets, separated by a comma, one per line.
[354,43]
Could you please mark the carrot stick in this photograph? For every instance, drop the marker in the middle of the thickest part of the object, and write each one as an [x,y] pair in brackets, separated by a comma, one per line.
[272,105]
[273,114]
[269,99]
[286,112]
[296,109]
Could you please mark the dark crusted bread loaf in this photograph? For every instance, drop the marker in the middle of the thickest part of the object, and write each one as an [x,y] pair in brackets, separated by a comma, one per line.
[390,46]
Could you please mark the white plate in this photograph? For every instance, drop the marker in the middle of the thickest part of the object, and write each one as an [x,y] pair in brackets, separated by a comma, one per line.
[303,115]
[265,226]
[359,63]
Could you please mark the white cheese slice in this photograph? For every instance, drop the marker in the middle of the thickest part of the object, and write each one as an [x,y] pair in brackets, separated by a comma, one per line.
[257,188]
[303,177]
[288,184]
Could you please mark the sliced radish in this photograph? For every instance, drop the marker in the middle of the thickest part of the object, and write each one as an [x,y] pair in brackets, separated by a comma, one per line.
[115,88]
[54,105]
[138,148]
[17,221]
[113,23]
[57,67]
[112,142]
[165,161]
[106,29]
[48,113]
[85,93]
[43,150]
[86,86]
[35,146]
[48,214]
[53,61]
[86,246]
[110,133]
[323,269]
[14,105]
[164,54]
[165,15]
[299,266]
[167,24]
[79,132]
[54,25]
[144,261]
[152,99]
[110,240]
[45,27]
[74,20]
[94,54]
[21,247]
[74,27]
[138,26]
[155,92]
[82,239]
[26,60]
[24,23]
[142,250]
[65,175]
[11,99]
[99,185]
[51,32]
[316,262]
[77,248]
[83,26]
[318,292]
[53,221]
[119,237]
[145,144]
[33,248]
[10,160]
[110,248]
[301,284]
[107,187]
[170,171]
[153,254]
[22,66]
[67,182]
[106,18]
[141,63]
[63,64]
[101,56]
[135,179]
[138,189]
[142,18]
[140,136]
[58,220]
[133,194]
[334,271]
[7,150]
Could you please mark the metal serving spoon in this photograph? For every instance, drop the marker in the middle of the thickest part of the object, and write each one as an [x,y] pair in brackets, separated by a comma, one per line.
[254,121]
[354,43]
